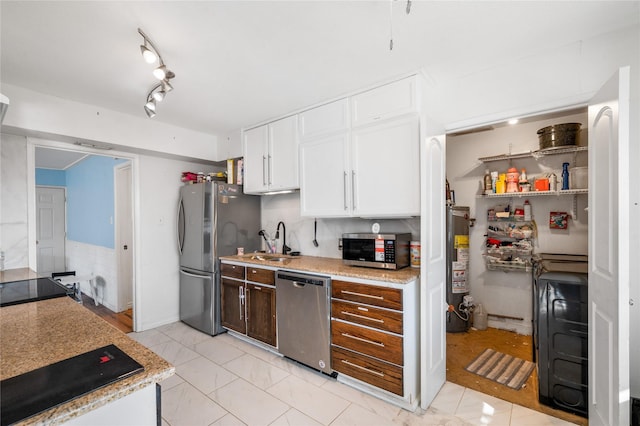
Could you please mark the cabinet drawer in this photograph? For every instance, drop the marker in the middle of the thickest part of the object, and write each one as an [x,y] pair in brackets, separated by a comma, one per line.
[366,315]
[258,275]
[383,102]
[372,371]
[384,297]
[387,347]
[232,271]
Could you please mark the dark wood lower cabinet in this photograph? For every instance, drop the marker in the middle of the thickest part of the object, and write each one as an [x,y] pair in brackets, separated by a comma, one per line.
[247,307]
[261,313]
[232,305]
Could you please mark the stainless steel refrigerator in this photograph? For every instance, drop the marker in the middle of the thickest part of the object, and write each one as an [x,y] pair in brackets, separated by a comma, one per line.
[214,219]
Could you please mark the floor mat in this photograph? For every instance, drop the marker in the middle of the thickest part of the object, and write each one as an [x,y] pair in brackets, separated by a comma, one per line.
[501,368]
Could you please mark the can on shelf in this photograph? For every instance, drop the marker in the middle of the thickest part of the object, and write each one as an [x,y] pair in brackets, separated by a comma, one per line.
[414,254]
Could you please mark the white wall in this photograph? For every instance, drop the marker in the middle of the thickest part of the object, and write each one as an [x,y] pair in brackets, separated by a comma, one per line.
[158,263]
[501,292]
[49,116]
[14,241]
[286,208]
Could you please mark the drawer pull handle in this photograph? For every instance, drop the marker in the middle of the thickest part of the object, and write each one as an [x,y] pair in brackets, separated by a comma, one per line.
[368,370]
[360,339]
[353,293]
[363,317]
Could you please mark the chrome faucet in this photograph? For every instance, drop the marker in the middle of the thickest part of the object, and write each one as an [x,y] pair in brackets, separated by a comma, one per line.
[285,248]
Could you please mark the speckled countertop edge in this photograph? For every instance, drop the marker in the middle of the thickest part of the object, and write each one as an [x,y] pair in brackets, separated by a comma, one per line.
[330,266]
[36,334]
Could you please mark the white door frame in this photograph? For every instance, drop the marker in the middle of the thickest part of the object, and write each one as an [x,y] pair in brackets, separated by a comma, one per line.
[32,143]
[119,220]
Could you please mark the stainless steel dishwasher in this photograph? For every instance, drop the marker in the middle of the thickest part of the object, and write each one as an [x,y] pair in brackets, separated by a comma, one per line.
[302,308]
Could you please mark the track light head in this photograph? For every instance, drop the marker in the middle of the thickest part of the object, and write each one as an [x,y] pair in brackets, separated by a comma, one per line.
[158,96]
[150,113]
[151,104]
[166,86]
[148,54]
[161,72]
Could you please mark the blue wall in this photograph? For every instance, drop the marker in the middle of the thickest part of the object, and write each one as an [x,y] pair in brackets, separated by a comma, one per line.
[51,177]
[90,201]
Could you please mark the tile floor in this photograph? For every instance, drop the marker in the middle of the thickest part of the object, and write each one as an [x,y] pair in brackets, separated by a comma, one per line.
[224,380]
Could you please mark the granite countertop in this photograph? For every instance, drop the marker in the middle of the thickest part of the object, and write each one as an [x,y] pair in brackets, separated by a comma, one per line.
[329,266]
[36,334]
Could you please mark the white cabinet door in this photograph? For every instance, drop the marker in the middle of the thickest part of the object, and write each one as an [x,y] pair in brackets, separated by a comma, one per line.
[282,159]
[271,157]
[325,179]
[390,100]
[324,120]
[386,169]
[255,146]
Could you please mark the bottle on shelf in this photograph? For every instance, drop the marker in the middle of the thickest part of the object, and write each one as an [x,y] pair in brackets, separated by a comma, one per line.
[565,176]
[527,210]
[553,182]
[488,187]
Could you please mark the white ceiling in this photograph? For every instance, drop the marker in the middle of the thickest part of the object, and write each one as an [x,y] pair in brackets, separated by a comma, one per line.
[241,62]
[49,158]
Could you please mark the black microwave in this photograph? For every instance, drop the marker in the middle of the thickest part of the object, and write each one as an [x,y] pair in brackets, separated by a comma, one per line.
[385,251]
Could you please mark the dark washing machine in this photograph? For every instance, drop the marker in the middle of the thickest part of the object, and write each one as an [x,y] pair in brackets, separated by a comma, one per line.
[561,336]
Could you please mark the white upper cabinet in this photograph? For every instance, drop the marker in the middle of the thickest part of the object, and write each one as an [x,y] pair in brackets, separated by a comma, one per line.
[271,157]
[325,177]
[385,161]
[324,120]
[369,167]
[380,103]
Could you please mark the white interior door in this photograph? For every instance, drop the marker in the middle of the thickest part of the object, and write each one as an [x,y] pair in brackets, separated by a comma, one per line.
[433,270]
[124,235]
[609,253]
[50,229]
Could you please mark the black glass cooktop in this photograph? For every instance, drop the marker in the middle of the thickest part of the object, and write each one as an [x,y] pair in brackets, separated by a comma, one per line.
[30,393]
[15,292]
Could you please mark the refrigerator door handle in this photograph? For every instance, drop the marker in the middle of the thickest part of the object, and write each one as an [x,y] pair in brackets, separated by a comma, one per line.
[189,274]
[180,213]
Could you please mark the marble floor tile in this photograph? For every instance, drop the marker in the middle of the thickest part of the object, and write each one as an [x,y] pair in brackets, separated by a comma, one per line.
[371,403]
[302,371]
[481,409]
[174,352]
[526,417]
[256,371]
[218,350]
[294,417]
[228,420]
[170,382]
[205,375]
[449,397]
[311,400]
[250,404]
[355,415]
[182,333]
[429,417]
[185,405]
[150,337]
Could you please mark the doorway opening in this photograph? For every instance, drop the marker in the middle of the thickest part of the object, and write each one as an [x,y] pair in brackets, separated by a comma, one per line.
[504,285]
[98,225]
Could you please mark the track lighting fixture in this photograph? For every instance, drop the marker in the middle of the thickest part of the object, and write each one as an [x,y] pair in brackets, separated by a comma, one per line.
[151,54]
